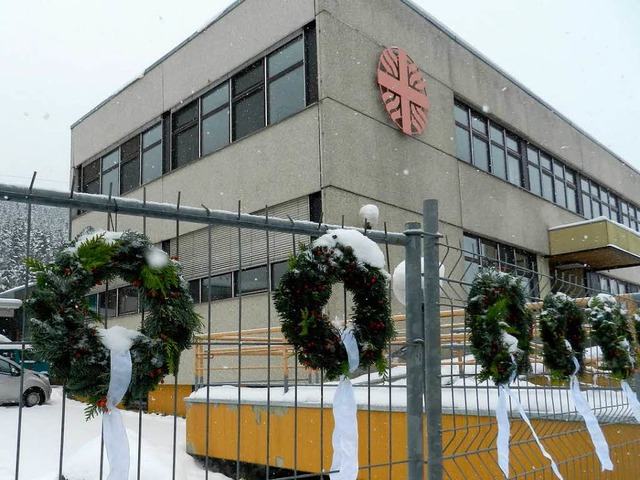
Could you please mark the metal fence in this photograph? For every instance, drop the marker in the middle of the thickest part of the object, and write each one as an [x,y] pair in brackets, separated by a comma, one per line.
[257,413]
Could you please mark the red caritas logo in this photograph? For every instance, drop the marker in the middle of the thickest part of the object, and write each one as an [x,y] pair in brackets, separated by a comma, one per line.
[402,89]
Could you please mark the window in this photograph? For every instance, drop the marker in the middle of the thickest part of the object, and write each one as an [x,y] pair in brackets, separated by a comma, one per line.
[480,144]
[152,154]
[277,271]
[463,145]
[215,119]
[107,303]
[285,81]
[628,215]
[92,302]
[219,287]
[514,160]
[547,177]
[110,174]
[533,170]
[91,177]
[597,201]
[127,300]
[5,367]
[194,290]
[487,145]
[184,135]
[248,101]
[252,280]
[613,286]
[130,165]
[498,155]
[570,189]
[228,285]
[480,252]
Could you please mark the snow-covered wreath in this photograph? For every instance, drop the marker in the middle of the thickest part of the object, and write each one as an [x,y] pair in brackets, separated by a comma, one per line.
[344,256]
[615,334]
[65,330]
[500,325]
[562,334]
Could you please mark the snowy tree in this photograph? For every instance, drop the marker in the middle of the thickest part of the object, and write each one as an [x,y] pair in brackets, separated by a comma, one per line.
[49,230]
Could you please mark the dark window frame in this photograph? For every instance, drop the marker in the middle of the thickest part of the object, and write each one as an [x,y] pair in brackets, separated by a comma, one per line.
[241,94]
[271,79]
[180,131]
[129,157]
[104,188]
[146,149]
[215,111]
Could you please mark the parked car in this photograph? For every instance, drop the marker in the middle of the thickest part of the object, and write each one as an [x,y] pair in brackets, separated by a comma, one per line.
[36,388]
[13,351]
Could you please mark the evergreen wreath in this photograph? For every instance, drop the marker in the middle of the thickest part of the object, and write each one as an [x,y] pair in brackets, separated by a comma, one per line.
[65,329]
[614,334]
[303,292]
[562,333]
[500,325]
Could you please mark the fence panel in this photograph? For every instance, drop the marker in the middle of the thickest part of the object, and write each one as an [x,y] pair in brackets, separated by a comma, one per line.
[244,407]
[252,411]
[469,427]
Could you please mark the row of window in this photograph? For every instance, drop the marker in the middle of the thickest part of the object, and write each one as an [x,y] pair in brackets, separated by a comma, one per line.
[480,252]
[492,148]
[271,89]
[603,283]
[232,284]
[124,300]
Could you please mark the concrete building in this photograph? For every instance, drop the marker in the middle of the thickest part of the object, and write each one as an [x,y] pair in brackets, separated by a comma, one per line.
[285,110]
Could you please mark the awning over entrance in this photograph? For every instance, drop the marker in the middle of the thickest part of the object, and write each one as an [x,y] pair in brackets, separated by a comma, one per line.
[597,244]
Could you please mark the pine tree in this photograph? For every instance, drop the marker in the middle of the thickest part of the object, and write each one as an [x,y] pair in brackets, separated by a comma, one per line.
[49,227]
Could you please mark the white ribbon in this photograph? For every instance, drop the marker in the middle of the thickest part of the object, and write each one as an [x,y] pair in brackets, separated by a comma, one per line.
[632,399]
[115,435]
[503,431]
[590,420]
[345,430]
[504,427]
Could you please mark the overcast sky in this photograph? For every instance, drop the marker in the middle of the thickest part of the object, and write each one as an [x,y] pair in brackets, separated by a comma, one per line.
[60,58]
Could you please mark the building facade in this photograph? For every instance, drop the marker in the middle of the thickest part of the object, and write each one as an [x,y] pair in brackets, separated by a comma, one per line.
[285,111]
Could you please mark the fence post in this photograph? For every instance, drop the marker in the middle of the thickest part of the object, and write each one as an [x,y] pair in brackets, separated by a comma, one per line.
[414,353]
[433,373]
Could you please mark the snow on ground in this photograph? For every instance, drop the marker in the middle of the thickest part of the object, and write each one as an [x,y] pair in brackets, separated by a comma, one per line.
[39,453]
